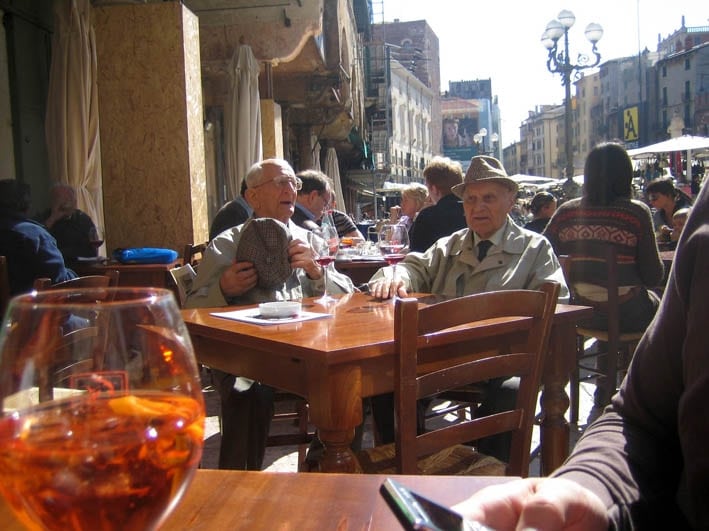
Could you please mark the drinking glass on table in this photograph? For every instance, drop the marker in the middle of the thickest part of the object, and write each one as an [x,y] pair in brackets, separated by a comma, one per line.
[393,242]
[102,417]
[95,237]
[325,243]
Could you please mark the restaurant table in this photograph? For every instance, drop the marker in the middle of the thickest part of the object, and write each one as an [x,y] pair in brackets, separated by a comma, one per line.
[143,275]
[359,270]
[230,499]
[335,362]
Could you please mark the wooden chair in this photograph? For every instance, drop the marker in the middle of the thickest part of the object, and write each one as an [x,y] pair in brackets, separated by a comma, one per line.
[620,346]
[183,276]
[107,280]
[435,354]
[4,286]
[193,253]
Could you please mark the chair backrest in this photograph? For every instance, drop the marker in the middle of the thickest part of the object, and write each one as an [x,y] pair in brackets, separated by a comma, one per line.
[606,277]
[4,286]
[193,253]
[183,277]
[465,341]
[108,280]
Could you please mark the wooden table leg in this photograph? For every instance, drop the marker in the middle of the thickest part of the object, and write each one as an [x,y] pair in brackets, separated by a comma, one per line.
[336,410]
[555,401]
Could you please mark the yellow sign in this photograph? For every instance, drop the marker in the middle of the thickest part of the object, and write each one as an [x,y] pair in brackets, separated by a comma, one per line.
[631,130]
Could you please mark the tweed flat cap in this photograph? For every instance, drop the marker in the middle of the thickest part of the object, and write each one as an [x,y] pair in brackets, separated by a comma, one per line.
[484,169]
[264,241]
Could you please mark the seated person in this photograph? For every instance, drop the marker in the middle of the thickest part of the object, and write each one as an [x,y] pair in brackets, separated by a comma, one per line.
[231,214]
[542,206]
[607,213]
[413,200]
[642,464]
[73,229]
[247,406]
[30,250]
[317,197]
[666,200]
[492,253]
[679,218]
[445,215]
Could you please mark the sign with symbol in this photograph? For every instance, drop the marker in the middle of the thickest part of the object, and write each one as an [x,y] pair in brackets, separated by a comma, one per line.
[631,129]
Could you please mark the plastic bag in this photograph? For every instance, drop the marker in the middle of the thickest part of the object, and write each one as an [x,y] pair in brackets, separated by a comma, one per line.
[145,255]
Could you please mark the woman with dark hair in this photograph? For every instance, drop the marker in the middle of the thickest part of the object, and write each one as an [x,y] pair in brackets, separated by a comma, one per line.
[666,200]
[542,206]
[606,213]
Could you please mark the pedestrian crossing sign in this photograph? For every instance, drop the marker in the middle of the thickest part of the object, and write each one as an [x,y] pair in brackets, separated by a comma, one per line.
[631,129]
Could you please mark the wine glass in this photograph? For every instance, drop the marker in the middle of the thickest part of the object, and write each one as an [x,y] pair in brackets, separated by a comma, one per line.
[95,238]
[102,419]
[325,244]
[393,242]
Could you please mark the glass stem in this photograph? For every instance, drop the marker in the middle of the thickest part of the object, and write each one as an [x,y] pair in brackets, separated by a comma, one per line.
[324,289]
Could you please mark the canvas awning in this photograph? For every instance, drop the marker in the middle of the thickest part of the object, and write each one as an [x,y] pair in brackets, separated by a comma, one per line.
[686,143]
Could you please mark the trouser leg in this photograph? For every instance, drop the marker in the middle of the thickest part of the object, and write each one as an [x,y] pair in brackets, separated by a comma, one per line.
[500,395]
[246,420]
[383,416]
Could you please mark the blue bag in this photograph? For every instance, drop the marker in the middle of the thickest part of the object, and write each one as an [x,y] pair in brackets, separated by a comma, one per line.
[145,255]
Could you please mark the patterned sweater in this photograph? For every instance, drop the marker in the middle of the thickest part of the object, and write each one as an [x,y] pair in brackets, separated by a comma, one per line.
[626,224]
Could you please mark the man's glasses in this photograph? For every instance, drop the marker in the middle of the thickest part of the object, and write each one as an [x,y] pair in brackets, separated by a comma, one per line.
[283,180]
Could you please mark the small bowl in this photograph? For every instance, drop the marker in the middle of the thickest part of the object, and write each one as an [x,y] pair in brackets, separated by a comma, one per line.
[280,309]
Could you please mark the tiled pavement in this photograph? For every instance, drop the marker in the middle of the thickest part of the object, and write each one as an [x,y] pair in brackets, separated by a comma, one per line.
[285,458]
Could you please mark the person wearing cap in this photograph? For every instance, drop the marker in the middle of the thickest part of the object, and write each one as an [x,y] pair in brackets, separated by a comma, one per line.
[492,253]
[445,215]
[454,266]
[274,262]
[542,207]
[643,463]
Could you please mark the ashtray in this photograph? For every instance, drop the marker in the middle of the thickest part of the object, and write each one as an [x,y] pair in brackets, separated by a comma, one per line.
[280,309]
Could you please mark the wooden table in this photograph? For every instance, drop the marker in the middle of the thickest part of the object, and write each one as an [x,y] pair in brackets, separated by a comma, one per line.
[144,275]
[360,271]
[337,361]
[227,499]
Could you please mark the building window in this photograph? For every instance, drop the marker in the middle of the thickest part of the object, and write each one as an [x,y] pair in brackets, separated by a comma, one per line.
[664,95]
[664,71]
[686,64]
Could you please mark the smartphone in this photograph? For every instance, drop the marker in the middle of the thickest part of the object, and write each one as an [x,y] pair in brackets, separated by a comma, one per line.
[416,512]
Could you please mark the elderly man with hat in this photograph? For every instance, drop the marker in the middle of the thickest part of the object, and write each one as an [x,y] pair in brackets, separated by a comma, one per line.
[266,258]
[492,253]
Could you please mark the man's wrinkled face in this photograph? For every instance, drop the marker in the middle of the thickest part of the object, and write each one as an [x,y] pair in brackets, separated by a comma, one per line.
[275,194]
[486,206]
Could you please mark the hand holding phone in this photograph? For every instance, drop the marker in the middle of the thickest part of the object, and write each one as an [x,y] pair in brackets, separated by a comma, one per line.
[418,513]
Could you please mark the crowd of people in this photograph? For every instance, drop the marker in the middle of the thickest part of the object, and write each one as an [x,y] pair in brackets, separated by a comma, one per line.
[631,467]
[47,245]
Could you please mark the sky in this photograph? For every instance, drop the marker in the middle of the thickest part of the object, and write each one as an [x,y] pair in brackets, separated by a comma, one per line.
[501,40]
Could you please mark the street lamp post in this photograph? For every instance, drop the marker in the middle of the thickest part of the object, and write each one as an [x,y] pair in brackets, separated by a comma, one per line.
[479,138]
[558,62]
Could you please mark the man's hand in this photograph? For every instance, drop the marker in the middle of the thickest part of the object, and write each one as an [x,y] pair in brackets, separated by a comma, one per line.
[238,278]
[300,254]
[59,211]
[386,288]
[536,503]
